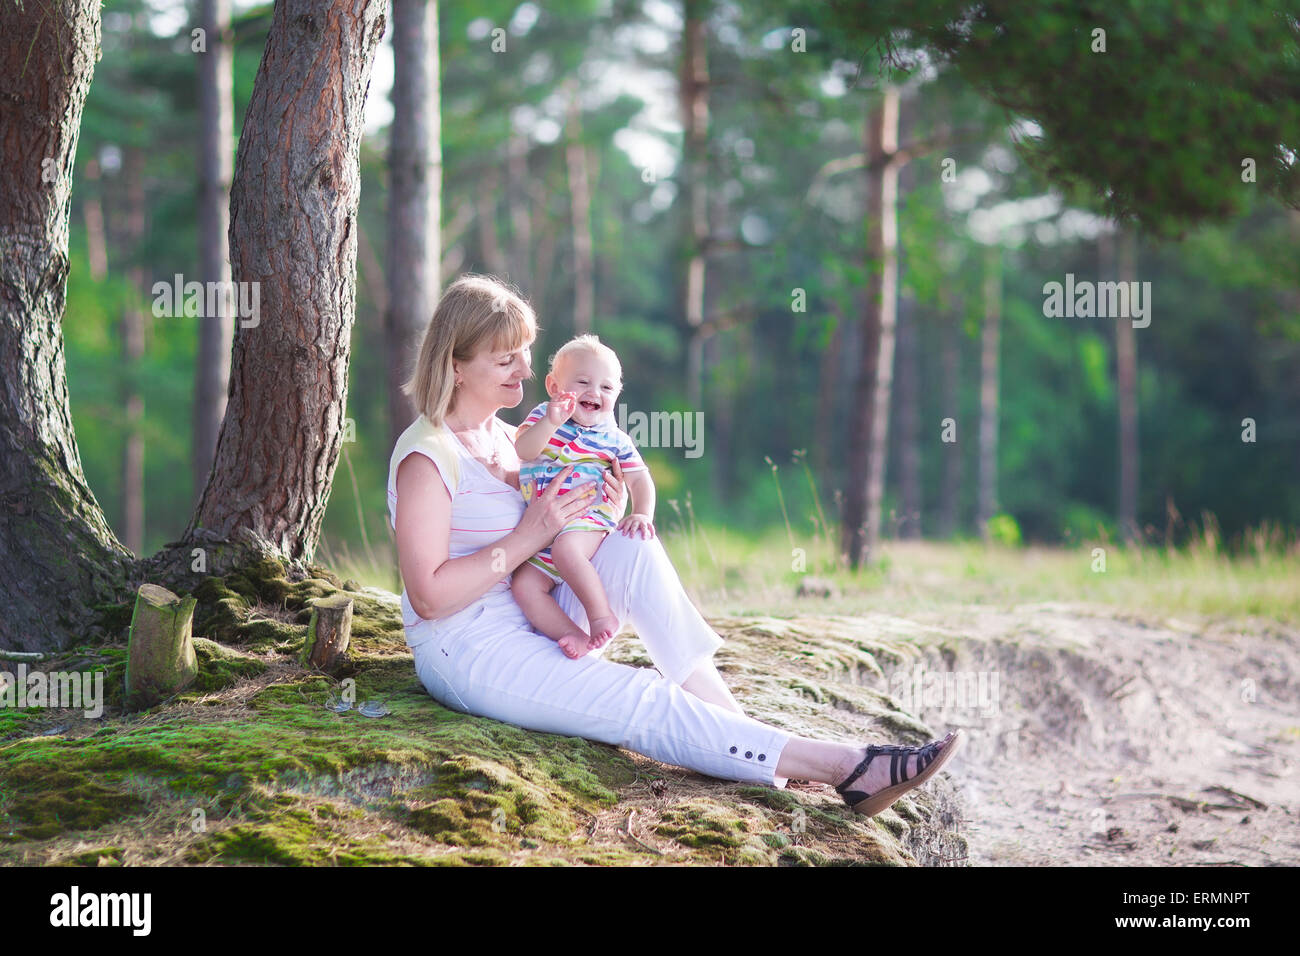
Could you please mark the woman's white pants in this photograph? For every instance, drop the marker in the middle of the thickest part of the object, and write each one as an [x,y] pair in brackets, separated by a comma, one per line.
[495,665]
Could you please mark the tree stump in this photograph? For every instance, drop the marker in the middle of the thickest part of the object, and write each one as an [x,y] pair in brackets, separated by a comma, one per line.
[160,650]
[328,633]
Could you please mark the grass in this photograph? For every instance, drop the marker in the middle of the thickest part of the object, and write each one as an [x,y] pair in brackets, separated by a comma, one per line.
[731,571]
[728,571]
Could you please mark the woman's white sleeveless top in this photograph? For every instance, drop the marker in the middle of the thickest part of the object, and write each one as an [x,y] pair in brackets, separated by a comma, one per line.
[484,509]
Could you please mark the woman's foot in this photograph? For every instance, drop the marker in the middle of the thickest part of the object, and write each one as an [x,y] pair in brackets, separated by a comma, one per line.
[603,628]
[884,773]
[575,645]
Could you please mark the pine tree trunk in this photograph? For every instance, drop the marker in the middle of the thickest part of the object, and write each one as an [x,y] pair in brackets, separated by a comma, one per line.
[584,276]
[58,556]
[92,211]
[133,336]
[869,415]
[694,91]
[988,476]
[485,216]
[909,423]
[293,232]
[521,222]
[1126,378]
[828,378]
[414,199]
[216,146]
[950,359]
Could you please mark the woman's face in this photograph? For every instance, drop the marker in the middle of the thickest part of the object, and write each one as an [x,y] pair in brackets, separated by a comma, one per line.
[493,379]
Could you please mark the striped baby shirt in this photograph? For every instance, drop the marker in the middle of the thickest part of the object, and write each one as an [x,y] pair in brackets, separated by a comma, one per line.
[592,451]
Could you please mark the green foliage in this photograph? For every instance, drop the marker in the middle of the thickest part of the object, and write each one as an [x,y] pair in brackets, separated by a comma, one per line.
[1003,530]
[1151,118]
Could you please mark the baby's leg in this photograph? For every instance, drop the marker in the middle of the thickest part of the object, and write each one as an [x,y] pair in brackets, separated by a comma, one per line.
[572,553]
[532,591]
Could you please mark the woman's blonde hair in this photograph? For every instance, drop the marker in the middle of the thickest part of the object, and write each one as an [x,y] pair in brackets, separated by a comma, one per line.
[474,311]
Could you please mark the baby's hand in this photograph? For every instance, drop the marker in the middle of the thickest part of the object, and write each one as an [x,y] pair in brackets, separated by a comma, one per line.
[634,523]
[561,408]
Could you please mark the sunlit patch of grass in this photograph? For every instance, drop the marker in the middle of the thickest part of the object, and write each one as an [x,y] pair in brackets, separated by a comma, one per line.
[728,570]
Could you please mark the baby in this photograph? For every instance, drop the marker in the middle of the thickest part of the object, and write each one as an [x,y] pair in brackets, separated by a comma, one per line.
[577,427]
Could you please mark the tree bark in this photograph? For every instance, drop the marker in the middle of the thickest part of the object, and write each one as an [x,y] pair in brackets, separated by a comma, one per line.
[216,166]
[869,419]
[414,198]
[1126,378]
[58,556]
[160,652]
[988,476]
[293,235]
[330,629]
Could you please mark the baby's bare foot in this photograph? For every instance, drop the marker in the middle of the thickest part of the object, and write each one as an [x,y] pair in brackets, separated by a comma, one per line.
[603,629]
[575,645]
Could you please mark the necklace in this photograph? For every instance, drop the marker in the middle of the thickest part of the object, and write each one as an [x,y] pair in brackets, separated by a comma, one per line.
[494,459]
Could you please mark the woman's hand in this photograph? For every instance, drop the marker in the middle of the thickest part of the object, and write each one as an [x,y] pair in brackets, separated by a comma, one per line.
[548,513]
[615,490]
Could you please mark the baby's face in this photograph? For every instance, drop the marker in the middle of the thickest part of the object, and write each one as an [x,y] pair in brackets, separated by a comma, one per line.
[592,379]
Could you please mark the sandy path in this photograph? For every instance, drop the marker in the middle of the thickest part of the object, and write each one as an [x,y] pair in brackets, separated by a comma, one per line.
[1123,741]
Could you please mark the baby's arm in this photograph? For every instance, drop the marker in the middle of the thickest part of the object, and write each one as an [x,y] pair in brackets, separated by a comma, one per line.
[642,489]
[530,439]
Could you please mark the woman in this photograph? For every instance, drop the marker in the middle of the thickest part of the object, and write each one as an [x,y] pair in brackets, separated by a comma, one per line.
[463,527]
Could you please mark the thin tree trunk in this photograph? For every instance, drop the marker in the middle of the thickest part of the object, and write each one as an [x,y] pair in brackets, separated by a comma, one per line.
[485,212]
[293,209]
[909,422]
[869,422]
[58,556]
[988,477]
[92,210]
[216,166]
[1126,377]
[133,335]
[950,360]
[414,198]
[521,221]
[827,389]
[694,92]
[575,156]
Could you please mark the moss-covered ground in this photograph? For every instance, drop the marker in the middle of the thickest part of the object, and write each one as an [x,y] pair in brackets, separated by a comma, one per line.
[248,766]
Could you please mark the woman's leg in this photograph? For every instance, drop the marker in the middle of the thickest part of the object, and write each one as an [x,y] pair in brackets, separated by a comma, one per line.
[510,675]
[504,671]
[500,669]
[644,590]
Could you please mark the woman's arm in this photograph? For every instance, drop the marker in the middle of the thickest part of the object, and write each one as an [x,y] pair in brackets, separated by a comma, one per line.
[438,585]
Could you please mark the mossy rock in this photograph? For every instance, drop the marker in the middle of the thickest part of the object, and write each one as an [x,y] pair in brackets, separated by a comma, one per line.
[284,781]
[221,667]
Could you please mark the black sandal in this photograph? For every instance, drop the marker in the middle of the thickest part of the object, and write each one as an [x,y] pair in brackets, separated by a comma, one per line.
[929,759]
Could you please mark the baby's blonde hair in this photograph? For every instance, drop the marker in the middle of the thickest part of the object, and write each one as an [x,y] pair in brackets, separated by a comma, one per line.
[588,343]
